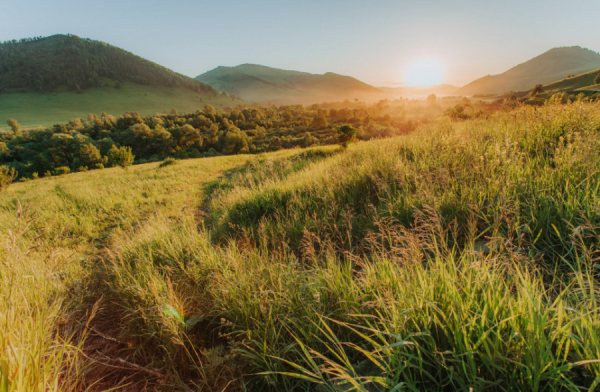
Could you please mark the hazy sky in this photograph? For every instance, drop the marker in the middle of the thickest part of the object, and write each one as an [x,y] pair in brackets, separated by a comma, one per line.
[374,41]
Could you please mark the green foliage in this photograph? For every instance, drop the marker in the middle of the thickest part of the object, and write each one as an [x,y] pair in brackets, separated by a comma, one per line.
[121,156]
[168,162]
[86,143]
[597,79]
[346,134]
[14,126]
[62,170]
[7,176]
[537,90]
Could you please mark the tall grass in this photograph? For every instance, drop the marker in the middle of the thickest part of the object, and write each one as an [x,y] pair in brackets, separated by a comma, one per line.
[39,347]
[460,257]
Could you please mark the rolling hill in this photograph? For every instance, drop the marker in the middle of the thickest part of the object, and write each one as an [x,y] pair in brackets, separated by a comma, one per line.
[422,91]
[48,80]
[555,64]
[263,84]
[582,82]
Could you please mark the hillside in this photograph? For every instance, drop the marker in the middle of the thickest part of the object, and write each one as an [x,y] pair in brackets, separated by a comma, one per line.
[46,109]
[555,64]
[48,80]
[447,259]
[582,82]
[262,84]
[422,91]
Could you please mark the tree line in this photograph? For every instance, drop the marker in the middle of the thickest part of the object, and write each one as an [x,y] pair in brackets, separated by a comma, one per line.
[96,142]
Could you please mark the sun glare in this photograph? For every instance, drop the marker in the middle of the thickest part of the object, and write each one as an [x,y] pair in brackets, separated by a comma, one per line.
[424,72]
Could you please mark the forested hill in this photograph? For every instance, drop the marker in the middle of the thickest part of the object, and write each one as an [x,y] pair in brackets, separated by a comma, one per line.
[45,64]
[258,83]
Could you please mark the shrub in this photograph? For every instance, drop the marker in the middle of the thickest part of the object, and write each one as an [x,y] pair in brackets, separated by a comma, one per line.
[7,176]
[346,134]
[59,171]
[597,80]
[167,162]
[120,156]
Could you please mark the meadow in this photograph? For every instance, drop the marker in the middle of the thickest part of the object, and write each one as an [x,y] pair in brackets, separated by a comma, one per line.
[462,256]
[34,109]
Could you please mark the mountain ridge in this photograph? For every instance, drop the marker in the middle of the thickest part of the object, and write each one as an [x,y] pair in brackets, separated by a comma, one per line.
[261,83]
[548,67]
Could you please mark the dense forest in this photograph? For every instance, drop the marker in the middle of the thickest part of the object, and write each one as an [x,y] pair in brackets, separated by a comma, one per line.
[84,144]
[44,64]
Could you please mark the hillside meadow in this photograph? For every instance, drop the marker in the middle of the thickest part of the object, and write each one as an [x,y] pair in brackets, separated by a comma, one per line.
[462,256]
[35,109]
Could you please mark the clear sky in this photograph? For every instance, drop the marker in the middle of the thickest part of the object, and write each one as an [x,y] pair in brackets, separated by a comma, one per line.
[375,41]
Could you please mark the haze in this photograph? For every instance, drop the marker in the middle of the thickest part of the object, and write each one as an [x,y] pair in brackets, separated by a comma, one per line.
[375,41]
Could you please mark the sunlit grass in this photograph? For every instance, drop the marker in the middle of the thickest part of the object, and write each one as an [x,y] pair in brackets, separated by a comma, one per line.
[463,256]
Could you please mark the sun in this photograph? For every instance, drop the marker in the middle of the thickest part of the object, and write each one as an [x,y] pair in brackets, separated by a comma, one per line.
[424,72]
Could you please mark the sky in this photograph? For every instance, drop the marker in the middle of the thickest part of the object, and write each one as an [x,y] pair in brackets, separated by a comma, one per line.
[376,41]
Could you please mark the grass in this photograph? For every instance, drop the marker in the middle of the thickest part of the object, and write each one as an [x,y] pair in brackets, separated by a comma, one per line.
[462,256]
[46,109]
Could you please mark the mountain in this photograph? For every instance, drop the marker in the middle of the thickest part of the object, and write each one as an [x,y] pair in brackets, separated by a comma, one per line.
[49,80]
[422,91]
[553,65]
[258,83]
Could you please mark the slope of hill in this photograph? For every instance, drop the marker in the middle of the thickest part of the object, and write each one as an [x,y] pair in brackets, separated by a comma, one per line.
[422,91]
[553,65]
[582,82]
[40,80]
[389,262]
[265,84]
[46,109]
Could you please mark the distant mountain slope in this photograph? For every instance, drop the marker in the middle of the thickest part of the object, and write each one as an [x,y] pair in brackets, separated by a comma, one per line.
[553,65]
[265,84]
[584,81]
[45,64]
[422,91]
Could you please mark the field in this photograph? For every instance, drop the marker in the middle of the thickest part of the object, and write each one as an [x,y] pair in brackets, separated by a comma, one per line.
[46,109]
[462,256]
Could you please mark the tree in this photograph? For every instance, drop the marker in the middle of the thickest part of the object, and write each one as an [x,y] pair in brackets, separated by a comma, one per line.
[234,141]
[186,137]
[431,98]
[308,140]
[7,176]
[89,155]
[120,156]
[537,90]
[14,125]
[319,122]
[597,80]
[346,135]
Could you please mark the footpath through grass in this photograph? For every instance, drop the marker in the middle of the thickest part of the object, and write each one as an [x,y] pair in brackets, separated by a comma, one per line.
[462,256]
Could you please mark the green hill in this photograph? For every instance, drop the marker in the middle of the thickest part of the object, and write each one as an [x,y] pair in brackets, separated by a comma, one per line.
[582,82]
[553,65]
[272,85]
[48,80]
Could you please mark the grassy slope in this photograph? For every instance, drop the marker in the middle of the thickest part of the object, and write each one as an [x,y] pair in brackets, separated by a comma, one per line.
[582,82]
[434,260]
[548,67]
[47,109]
